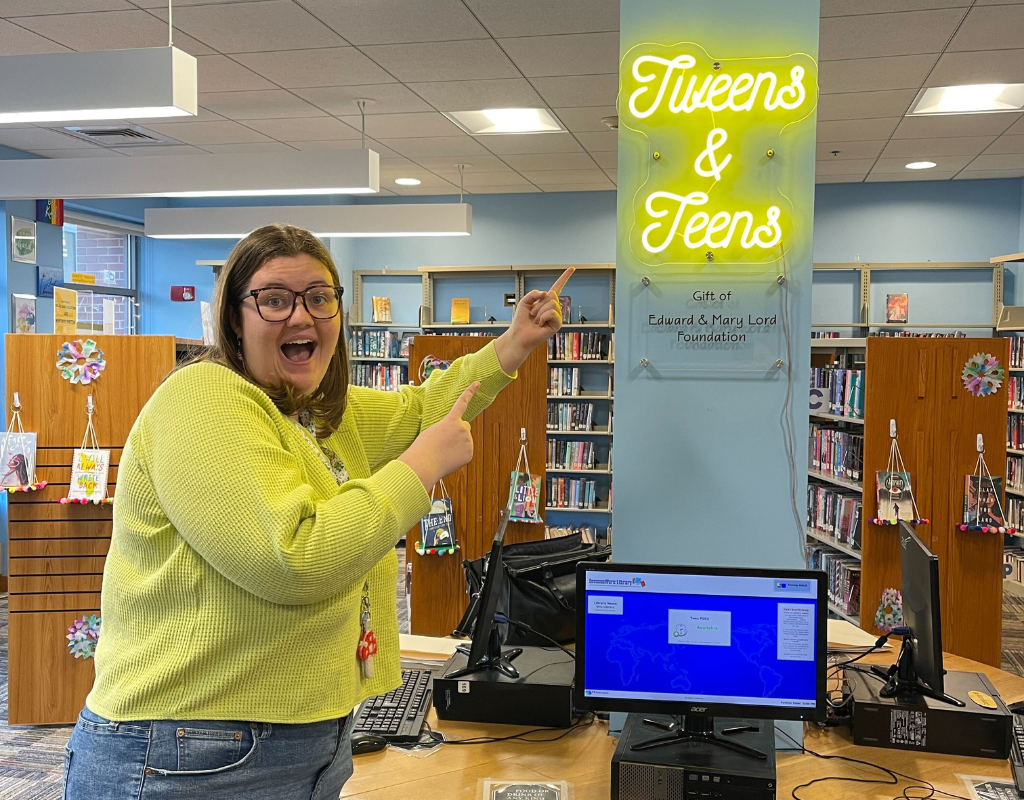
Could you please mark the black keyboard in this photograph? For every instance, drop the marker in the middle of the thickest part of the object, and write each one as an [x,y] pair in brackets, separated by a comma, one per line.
[398,715]
[1017,753]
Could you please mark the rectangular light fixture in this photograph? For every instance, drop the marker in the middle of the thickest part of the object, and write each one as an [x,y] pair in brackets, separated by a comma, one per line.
[228,175]
[979,98]
[505,120]
[235,222]
[98,84]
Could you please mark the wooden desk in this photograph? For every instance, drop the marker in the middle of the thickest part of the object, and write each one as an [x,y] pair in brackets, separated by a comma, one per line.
[584,757]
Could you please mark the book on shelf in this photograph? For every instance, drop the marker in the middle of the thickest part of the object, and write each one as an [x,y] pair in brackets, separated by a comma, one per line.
[567,454]
[1017,352]
[566,303]
[460,311]
[389,377]
[588,533]
[843,388]
[895,500]
[374,344]
[983,500]
[1015,392]
[836,452]
[405,346]
[835,513]
[564,381]
[382,309]
[569,417]
[843,577]
[576,346]
[571,493]
[897,307]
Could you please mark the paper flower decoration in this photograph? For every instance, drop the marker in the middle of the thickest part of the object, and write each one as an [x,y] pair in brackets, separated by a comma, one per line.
[80,362]
[82,636]
[890,611]
[983,374]
[429,364]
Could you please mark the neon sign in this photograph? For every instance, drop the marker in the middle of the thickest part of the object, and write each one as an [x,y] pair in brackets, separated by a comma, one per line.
[716,136]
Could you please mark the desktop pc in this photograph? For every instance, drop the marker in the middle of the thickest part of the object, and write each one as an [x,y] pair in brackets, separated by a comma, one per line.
[702,659]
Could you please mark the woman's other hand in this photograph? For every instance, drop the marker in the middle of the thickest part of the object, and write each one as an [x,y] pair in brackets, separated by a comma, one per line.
[444,446]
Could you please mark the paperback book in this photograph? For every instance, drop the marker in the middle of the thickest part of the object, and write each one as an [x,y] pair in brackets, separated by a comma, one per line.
[894,497]
[382,309]
[896,307]
[460,311]
[983,501]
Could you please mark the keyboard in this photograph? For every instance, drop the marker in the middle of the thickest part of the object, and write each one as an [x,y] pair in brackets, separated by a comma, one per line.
[1017,753]
[398,715]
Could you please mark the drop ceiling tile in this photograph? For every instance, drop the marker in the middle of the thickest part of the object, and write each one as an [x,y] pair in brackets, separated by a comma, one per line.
[854,130]
[110,30]
[839,178]
[157,150]
[202,133]
[182,3]
[954,125]
[848,166]
[549,177]
[510,144]
[344,144]
[425,191]
[405,126]
[388,98]
[942,164]
[477,59]
[92,152]
[471,95]
[585,118]
[893,177]
[304,129]
[848,150]
[202,115]
[606,160]
[249,147]
[994,66]
[599,141]
[1017,127]
[40,139]
[324,66]
[606,186]
[526,188]
[391,21]
[990,28]
[221,74]
[926,149]
[505,178]
[265,104]
[1007,143]
[476,164]
[989,174]
[427,180]
[542,17]
[31,8]
[874,74]
[551,161]
[872,35]
[613,175]
[568,54]
[253,27]
[865,105]
[1000,161]
[16,41]
[842,8]
[578,90]
[436,147]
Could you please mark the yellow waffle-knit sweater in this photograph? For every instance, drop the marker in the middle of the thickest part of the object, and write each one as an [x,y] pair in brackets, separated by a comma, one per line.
[233,583]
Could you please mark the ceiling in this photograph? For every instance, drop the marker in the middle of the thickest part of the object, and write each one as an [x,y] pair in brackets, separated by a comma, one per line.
[283,75]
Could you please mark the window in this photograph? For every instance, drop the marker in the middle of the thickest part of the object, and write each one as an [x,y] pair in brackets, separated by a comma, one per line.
[95,259]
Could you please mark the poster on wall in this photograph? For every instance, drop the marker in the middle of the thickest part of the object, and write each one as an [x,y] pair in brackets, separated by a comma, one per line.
[47,278]
[23,313]
[65,311]
[23,240]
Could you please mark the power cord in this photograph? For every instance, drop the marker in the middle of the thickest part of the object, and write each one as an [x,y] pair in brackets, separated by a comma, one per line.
[436,738]
[522,626]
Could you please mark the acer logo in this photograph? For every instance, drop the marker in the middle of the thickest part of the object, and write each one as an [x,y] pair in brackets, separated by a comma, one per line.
[699,709]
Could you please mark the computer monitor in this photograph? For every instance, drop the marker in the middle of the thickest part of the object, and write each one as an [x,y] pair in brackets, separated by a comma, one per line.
[485,651]
[918,670]
[701,642]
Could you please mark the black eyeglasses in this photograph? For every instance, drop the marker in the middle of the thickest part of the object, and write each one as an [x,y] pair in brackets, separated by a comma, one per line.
[276,304]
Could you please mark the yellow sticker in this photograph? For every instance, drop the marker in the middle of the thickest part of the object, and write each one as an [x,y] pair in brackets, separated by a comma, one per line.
[982,699]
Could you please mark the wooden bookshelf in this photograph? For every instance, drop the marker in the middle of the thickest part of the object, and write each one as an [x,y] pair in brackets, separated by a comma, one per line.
[833,480]
[834,543]
[834,609]
[837,417]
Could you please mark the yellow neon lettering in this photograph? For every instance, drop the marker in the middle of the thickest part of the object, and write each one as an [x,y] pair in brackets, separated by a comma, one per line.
[772,227]
[716,138]
[745,242]
[694,198]
[762,77]
[701,227]
[695,224]
[719,221]
[719,85]
[742,84]
[682,62]
[795,90]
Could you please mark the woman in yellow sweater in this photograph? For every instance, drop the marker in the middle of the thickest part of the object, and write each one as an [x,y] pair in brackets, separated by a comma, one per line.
[259,501]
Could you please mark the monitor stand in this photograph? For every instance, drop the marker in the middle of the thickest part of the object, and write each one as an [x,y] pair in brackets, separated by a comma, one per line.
[901,679]
[694,728]
[494,659]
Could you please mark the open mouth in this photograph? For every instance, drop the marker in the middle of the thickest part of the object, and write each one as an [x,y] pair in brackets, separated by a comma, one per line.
[299,351]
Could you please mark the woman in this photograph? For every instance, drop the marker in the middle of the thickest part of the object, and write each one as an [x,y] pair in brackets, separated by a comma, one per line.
[259,501]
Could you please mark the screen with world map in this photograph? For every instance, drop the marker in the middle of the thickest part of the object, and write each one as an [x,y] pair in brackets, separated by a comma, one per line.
[716,639]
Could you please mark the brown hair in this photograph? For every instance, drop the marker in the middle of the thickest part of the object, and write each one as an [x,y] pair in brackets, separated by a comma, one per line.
[327,402]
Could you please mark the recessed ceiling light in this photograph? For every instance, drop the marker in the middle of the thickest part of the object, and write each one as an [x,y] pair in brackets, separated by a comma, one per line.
[920,165]
[979,98]
[505,120]
[408,181]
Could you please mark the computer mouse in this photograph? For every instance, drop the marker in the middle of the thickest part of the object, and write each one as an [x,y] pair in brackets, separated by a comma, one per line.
[367,743]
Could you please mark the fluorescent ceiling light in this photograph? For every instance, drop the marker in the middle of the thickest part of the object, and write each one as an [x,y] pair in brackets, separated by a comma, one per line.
[229,175]
[505,120]
[100,84]
[980,98]
[920,165]
[408,181]
[235,222]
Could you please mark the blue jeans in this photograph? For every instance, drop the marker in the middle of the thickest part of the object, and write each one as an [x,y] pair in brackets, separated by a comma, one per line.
[206,759]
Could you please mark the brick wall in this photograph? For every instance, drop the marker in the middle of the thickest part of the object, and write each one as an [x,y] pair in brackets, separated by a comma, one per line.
[102,254]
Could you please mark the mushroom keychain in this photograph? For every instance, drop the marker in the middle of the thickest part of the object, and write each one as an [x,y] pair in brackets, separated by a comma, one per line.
[367,638]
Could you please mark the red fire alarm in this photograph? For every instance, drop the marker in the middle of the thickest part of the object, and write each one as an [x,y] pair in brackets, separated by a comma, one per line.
[183,293]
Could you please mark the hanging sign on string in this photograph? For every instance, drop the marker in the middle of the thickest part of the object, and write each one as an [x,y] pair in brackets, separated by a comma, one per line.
[89,467]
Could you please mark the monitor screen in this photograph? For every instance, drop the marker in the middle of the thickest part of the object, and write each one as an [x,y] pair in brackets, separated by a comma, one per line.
[726,642]
[919,587]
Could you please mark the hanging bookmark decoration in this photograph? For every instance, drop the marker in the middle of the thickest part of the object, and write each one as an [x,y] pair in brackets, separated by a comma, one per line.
[983,504]
[895,494]
[438,527]
[18,455]
[367,647]
[89,467]
[524,491]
